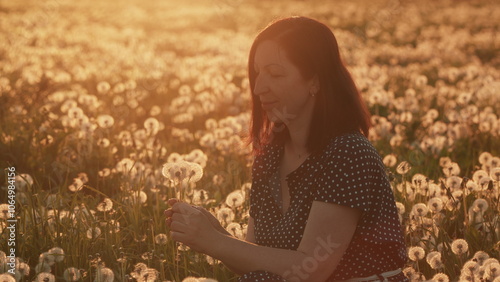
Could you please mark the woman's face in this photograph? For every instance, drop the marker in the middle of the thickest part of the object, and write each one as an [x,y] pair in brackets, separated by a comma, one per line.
[283,93]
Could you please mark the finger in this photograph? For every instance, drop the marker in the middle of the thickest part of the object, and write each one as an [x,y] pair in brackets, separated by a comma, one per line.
[172,201]
[183,208]
[177,226]
[168,212]
[168,221]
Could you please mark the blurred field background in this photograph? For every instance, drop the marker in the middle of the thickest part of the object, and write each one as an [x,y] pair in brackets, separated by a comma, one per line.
[96,96]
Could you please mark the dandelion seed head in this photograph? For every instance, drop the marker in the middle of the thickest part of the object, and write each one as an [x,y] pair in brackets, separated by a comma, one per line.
[105,121]
[401,207]
[480,257]
[459,246]
[390,160]
[161,239]
[435,204]
[45,277]
[103,87]
[235,199]
[57,254]
[4,277]
[105,206]
[420,209]
[104,274]
[480,206]
[72,274]
[403,168]
[416,253]
[440,277]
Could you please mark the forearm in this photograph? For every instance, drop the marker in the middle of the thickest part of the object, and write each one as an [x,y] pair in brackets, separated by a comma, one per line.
[241,257]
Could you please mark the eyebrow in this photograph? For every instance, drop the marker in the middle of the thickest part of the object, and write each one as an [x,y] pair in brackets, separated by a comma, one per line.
[268,65]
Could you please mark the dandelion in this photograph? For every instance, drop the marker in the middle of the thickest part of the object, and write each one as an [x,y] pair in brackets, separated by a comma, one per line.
[478,175]
[104,274]
[194,172]
[480,206]
[152,126]
[480,257]
[459,246]
[421,182]
[440,277]
[485,158]
[45,277]
[139,268]
[435,204]
[105,206]
[444,162]
[42,267]
[76,186]
[105,121]
[46,259]
[57,254]
[420,209]
[225,215]
[161,239]
[390,160]
[416,253]
[235,229]
[491,270]
[495,174]
[72,274]
[93,233]
[401,207]
[454,182]
[470,267]
[235,199]
[403,168]
[451,169]
[436,262]
[103,87]
[7,278]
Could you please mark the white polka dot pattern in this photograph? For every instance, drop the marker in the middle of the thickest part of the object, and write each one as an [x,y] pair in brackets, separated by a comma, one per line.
[347,172]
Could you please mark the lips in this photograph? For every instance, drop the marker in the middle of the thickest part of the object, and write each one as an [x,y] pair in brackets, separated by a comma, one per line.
[266,105]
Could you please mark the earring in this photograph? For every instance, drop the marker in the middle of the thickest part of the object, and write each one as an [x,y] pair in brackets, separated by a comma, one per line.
[312,92]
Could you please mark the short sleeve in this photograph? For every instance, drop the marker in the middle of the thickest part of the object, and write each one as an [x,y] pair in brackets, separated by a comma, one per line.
[353,174]
[261,275]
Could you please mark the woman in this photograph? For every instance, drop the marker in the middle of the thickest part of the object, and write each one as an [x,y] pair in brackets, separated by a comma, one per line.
[321,206]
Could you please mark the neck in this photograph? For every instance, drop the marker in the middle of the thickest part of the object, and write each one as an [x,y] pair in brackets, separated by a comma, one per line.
[298,130]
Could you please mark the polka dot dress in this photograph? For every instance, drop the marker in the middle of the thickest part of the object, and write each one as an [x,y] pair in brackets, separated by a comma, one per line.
[347,172]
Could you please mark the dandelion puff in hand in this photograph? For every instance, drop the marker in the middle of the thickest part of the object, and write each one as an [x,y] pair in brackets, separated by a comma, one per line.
[459,246]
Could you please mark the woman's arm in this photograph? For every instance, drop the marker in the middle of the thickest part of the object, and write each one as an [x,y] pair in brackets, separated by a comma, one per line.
[327,235]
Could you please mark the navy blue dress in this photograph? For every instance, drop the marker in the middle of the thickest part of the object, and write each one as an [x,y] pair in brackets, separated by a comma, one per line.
[348,172]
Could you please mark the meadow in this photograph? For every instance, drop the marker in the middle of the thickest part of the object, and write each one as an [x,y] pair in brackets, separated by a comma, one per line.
[108,109]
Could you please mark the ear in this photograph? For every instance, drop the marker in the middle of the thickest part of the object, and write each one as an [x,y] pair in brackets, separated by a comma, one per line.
[314,84]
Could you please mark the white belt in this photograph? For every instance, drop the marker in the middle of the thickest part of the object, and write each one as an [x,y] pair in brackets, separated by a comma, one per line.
[385,275]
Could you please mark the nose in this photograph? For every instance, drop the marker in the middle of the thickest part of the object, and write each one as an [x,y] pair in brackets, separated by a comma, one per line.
[261,86]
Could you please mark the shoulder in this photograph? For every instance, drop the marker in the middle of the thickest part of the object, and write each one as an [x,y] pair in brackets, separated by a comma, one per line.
[351,145]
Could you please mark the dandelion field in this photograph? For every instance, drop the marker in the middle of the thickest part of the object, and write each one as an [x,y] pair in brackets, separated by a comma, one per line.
[97,96]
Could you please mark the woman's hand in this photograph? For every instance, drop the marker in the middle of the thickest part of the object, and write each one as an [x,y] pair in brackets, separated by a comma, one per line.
[189,225]
[213,220]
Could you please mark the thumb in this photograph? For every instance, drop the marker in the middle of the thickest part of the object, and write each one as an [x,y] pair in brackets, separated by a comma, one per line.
[172,201]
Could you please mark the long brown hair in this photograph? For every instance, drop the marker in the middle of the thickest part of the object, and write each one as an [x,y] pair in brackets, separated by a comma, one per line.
[312,47]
